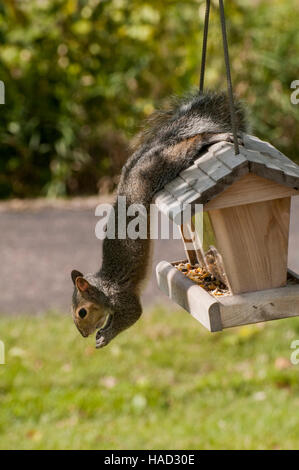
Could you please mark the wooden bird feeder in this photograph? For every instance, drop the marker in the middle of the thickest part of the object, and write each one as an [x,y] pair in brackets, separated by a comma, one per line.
[246,201]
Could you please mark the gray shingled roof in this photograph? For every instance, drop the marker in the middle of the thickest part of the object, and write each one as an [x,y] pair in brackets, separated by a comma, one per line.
[219,167]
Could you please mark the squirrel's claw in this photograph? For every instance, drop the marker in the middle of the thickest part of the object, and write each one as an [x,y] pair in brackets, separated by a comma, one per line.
[101,341]
[105,334]
[226,137]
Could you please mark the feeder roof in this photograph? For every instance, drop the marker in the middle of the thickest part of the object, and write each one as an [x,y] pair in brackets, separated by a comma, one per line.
[219,167]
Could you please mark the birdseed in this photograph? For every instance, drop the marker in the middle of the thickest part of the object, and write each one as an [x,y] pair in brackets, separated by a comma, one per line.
[203,278]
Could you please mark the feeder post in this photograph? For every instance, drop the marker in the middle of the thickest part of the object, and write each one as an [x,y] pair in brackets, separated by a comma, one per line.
[192,244]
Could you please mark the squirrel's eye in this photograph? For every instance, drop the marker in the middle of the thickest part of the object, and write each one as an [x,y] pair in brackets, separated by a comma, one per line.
[82,313]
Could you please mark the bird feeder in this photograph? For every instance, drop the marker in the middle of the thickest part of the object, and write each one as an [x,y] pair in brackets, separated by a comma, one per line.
[246,201]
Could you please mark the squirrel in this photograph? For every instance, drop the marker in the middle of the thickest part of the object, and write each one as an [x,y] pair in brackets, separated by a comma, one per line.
[109,300]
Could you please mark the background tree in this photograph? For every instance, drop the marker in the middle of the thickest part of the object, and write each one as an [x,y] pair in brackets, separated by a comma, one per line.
[82,75]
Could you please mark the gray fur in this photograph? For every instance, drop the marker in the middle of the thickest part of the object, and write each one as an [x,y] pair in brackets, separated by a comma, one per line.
[170,142]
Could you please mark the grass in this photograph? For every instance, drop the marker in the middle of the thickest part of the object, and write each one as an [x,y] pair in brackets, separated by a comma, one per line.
[164,384]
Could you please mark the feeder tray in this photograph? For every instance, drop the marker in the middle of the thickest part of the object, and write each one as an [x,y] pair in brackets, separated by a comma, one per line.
[222,312]
[246,201]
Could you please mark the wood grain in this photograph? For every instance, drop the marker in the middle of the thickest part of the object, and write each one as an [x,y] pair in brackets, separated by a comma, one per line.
[188,295]
[227,311]
[255,307]
[249,189]
[253,241]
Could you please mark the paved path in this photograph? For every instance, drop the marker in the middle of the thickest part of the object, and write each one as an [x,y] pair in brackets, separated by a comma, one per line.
[39,248]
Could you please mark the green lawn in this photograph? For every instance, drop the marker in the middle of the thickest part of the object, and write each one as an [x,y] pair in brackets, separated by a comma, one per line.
[164,384]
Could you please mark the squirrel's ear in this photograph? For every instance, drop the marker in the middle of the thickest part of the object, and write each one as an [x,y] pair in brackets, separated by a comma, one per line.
[82,284]
[75,274]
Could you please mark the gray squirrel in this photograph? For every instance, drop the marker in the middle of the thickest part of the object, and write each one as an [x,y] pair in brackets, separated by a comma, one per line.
[109,300]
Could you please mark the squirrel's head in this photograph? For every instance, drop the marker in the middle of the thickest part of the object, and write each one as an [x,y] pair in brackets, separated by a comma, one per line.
[89,310]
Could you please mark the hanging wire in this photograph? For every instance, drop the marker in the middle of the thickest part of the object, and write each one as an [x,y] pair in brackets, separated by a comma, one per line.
[227,65]
[204,46]
[229,79]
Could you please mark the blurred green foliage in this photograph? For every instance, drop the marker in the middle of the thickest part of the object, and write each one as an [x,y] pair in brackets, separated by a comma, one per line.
[81,75]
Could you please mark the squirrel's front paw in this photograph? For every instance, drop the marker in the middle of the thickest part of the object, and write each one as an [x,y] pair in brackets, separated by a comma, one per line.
[105,334]
[101,340]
